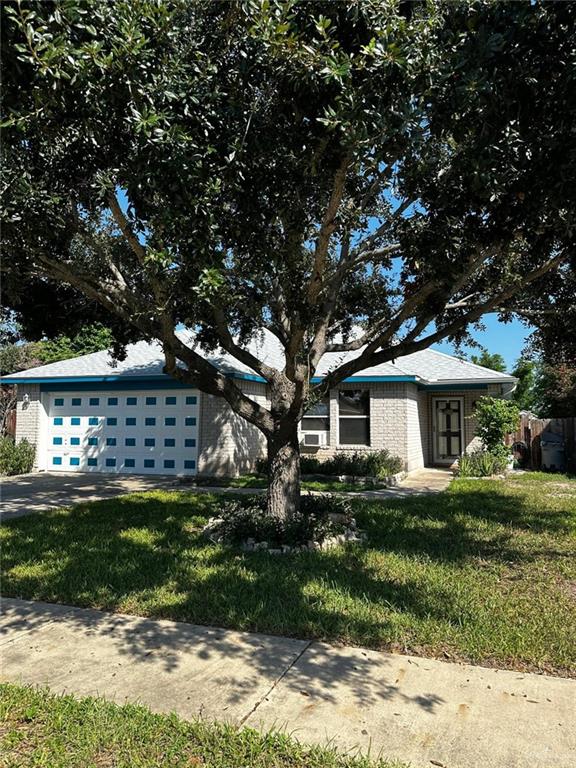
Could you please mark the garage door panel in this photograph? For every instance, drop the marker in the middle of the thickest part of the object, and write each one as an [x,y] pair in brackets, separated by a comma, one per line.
[151,433]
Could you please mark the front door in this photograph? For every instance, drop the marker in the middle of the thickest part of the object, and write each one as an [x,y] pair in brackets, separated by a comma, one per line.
[447,424]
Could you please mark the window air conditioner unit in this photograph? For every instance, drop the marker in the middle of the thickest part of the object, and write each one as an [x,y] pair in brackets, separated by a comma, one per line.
[314,439]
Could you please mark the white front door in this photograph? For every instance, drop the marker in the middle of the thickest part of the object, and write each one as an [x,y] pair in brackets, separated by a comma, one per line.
[448,426]
[151,432]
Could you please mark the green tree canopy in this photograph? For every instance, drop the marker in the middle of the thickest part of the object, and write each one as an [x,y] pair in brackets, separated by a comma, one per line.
[494,361]
[369,177]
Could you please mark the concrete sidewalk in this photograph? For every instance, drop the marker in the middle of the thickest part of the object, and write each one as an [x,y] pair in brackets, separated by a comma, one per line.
[417,710]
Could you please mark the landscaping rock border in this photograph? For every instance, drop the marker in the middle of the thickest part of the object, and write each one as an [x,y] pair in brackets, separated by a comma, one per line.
[350,535]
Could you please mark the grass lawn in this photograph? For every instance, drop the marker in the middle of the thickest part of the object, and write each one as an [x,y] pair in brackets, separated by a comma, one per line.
[38,729]
[257,481]
[485,571]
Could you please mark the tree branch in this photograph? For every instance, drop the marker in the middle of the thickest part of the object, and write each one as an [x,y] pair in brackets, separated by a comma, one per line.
[327,229]
[370,357]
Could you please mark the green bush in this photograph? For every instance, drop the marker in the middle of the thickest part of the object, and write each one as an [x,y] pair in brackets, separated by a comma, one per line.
[496,418]
[310,465]
[16,458]
[378,464]
[318,518]
[482,464]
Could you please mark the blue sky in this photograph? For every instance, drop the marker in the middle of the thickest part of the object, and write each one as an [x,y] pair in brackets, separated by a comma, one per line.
[505,338]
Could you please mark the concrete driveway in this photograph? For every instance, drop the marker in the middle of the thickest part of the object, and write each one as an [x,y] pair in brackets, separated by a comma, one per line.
[45,490]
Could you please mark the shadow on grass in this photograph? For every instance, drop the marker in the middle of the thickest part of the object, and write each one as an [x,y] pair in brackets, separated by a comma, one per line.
[144,554]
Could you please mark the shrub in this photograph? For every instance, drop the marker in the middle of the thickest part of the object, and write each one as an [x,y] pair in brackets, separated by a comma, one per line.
[482,464]
[356,464]
[496,418]
[310,465]
[16,458]
[319,518]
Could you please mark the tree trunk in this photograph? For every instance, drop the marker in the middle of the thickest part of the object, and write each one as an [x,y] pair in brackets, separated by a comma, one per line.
[284,472]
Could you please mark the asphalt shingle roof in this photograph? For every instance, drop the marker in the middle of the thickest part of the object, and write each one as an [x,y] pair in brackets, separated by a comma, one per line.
[146,359]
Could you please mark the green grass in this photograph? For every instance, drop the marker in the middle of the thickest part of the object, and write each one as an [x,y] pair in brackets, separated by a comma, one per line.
[41,730]
[258,481]
[485,571]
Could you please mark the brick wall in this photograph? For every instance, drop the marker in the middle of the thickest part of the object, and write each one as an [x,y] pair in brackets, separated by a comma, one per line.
[416,434]
[228,444]
[394,422]
[29,415]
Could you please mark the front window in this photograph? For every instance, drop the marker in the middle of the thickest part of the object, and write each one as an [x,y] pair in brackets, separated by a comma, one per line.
[317,417]
[354,416]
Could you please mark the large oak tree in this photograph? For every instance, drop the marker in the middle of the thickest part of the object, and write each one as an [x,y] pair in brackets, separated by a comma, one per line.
[366,176]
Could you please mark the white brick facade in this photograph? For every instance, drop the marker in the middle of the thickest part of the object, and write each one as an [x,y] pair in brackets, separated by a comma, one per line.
[400,421]
[229,445]
[395,422]
[30,416]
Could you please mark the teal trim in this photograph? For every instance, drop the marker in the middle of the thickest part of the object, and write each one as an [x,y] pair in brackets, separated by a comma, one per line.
[451,387]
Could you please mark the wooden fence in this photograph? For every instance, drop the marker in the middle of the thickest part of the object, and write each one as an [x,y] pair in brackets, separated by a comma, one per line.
[532,431]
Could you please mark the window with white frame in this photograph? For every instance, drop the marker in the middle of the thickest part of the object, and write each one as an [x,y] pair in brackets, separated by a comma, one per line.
[317,417]
[354,416]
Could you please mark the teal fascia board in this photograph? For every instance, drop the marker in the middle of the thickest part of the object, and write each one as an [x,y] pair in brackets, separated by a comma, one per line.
[451,387]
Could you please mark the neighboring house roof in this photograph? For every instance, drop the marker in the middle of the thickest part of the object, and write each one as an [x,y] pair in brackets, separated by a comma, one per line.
[145,360]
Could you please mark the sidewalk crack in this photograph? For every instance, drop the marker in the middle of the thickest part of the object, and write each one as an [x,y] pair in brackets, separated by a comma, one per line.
[276,682]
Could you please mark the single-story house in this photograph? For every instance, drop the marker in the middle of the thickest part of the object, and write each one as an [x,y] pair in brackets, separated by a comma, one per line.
[93,414]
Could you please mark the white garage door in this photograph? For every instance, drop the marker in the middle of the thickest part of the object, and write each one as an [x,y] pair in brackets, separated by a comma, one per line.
[151,432]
